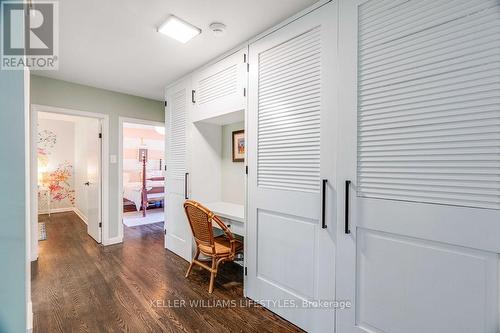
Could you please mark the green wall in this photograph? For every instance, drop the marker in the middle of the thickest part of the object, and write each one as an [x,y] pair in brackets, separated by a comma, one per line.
[13,272]
[57,93]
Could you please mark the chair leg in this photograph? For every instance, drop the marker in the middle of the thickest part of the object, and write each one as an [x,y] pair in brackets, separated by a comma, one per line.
[217,265]
[213,273]
[192,262]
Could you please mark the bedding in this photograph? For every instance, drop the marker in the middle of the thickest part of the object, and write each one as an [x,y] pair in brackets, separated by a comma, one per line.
[132,191]
[154,183]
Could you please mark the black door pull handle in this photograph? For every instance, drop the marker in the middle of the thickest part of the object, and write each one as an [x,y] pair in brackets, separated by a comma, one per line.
[186,185]
[346,226]
[323,204]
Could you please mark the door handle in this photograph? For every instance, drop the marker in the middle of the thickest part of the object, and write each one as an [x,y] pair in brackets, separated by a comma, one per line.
[346,221]
[86,183]
[323,204]
[186,185]
[192,96]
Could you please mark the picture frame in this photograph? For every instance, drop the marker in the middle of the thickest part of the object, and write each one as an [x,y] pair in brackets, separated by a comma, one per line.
[239,146]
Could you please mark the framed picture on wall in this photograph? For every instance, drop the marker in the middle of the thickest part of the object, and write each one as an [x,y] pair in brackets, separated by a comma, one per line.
[239,146]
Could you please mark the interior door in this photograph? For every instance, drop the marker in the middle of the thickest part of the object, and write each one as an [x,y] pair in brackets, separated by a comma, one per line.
[420,138]
[291,149]
[93,188]
[178,234]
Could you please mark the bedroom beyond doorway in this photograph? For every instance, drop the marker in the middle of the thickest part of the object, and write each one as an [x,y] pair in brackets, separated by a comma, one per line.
[143,172]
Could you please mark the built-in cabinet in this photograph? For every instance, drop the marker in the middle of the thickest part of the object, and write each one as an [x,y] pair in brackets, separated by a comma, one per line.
[177,118]
[219,90]
[291,169]
[373,168]
[420,143]
[196,109]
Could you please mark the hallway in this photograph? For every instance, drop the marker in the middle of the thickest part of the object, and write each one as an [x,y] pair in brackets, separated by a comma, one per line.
[136,286]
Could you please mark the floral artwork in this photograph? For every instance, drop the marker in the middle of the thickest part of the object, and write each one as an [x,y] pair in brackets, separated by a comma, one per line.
[58,181]
[43,158]
[46,141]
[59,185]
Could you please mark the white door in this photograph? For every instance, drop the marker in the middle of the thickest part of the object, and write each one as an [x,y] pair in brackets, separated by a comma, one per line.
[94,176]
[178,233]
[420,140]
[220,89]
[291,145]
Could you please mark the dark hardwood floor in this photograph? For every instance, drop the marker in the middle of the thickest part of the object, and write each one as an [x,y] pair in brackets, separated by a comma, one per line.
[80,286]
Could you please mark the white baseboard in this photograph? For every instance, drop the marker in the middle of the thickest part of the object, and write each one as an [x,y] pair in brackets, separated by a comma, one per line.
[81,215]
[29,317]
[113,240]
[57,210]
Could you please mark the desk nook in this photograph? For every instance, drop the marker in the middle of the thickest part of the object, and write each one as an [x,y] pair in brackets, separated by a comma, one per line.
[205,116]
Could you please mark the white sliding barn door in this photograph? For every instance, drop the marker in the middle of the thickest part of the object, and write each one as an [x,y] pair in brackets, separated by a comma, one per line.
[420,140]
[291,148]
[178,238]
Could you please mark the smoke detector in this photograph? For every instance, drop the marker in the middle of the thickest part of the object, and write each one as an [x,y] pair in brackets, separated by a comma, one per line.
[218,29]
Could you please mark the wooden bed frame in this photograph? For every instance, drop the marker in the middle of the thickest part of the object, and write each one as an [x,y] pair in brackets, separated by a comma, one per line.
[144,191]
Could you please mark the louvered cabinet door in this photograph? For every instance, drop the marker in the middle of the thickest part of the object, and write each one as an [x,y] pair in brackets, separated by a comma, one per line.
[291,147]
[220,89]
[178,238]
[420,138]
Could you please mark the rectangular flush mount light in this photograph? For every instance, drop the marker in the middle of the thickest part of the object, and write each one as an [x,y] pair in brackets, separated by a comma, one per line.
[178,29]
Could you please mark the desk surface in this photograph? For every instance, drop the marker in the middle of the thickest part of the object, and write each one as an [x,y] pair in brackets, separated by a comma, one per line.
[228,210]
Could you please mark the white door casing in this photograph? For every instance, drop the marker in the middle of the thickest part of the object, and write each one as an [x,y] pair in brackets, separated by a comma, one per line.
[94,179]
[291,150]
[178,238]
[419,139]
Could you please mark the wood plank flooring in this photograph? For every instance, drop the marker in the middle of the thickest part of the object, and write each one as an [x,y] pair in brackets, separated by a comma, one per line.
[80,286]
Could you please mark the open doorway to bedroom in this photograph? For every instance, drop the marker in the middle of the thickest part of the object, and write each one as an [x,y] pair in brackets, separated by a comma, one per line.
[142,170]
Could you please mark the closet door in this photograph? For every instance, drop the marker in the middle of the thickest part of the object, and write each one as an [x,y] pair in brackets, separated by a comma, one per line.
[291,148]
[220,88]
[420,138]
[178,237]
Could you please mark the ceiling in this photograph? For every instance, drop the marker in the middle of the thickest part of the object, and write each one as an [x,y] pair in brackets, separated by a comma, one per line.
[114,45]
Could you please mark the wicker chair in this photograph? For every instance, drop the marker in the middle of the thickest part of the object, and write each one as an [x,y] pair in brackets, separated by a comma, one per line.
[219,249]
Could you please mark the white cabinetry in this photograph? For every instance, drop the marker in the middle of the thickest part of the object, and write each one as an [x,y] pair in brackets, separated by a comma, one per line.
[291,182]
[419,138]
[219,90]
[178,237]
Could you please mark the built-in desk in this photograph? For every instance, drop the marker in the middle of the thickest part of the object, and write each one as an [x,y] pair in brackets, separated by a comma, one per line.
[233,215]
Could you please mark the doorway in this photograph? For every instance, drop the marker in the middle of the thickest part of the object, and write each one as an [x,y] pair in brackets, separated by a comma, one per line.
[68,176]
[142,173]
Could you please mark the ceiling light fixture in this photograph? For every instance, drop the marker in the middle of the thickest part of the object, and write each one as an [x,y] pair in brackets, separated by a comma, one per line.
[178,29]
[218,29]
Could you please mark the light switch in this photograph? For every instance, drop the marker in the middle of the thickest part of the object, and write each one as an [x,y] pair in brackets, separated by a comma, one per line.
[113,159]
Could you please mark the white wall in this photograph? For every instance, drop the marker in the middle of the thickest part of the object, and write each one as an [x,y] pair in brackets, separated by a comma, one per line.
[233,173]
